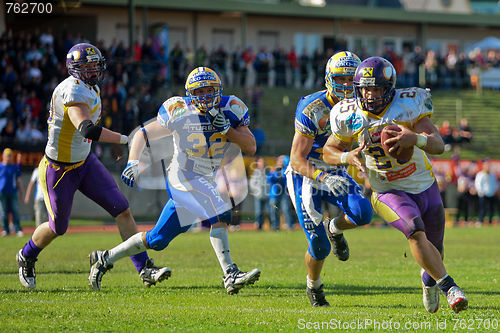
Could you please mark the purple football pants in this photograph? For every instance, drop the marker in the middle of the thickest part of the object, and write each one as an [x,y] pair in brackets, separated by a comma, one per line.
[410,213]
[59,184]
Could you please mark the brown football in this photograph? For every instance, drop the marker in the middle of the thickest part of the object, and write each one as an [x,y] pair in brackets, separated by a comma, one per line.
[405,155]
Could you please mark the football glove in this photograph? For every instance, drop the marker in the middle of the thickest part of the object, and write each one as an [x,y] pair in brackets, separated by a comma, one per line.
[129,174]
[338,185]
[221,123]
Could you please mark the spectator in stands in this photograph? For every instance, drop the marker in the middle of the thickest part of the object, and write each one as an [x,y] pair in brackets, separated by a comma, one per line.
[431,69]
[38,203]
[486,183]
[293,65]
[24,133]
[279,57]
[260,137]
[9,131]
[446,132]
[464,131]
[4,103]
[279,202]
[259,190]
[464,184]
[10,186]
[409,68]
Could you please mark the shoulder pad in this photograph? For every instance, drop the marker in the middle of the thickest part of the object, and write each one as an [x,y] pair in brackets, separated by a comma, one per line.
[175,107]
[237,107]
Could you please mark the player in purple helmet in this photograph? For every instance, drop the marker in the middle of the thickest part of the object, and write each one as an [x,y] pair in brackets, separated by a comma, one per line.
[405,193]
[68,164]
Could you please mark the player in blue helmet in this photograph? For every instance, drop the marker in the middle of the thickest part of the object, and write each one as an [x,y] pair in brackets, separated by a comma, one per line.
[405,193]
[206,128]
[310,180]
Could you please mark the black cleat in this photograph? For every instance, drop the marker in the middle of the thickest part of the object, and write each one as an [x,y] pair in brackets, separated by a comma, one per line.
[317,297]
[338,241]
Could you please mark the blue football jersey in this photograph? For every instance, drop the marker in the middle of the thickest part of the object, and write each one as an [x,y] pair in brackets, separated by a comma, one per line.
[312,119]
[198,146]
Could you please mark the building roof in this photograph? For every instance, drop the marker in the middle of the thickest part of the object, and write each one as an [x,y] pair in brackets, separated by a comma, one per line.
[293,9]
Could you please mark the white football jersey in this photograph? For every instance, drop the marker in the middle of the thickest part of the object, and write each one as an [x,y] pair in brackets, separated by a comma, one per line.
[65,143]
[349,122]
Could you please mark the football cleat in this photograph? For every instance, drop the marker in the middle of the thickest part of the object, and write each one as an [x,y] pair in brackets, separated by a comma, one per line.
[98,267]
[430,296]
[317,297]
[338,241]
[457,300]
[234,279]
[152,274]
[27,275]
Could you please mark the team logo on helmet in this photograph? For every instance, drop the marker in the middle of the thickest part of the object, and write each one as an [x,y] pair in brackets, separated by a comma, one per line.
[367,71]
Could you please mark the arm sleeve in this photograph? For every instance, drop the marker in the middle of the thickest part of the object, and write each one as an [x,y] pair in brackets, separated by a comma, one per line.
[424,104]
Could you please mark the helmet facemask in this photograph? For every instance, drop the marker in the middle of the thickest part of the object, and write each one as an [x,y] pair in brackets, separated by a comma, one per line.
[208,101]
[203,77]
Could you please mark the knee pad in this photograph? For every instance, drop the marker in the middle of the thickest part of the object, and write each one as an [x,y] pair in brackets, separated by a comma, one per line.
[360,210]
[158,242]
[319,247]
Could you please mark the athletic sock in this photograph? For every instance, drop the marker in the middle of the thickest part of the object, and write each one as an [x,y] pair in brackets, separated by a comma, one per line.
[139,260]
[220,243]
[30,250]
[133,247]
[313,284]
[427,280]
[445,283]
[332,226]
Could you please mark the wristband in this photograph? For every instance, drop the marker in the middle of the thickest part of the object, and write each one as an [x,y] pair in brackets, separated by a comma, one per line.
[317,174]
[123,139]
[421,141]
[343,158]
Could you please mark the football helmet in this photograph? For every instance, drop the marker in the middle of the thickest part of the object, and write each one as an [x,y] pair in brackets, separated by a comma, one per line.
[204,77]
[85,62]
[340,64]
[375,72]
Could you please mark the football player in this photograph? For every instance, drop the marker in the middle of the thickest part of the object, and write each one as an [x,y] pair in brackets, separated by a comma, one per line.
[405,193]
[311,181]
[68,164]
[204,125]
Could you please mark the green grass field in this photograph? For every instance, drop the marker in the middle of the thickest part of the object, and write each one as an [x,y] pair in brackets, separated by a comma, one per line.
[380,283]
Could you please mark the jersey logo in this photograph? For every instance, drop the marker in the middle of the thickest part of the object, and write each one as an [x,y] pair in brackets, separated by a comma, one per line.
[428,103]
[354,122]
[367,71]
[324,123]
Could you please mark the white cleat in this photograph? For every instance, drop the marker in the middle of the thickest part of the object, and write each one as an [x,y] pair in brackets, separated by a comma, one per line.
[152,274]
[430,296]
[457,300]
[234,279]
[98,267]
[27,275]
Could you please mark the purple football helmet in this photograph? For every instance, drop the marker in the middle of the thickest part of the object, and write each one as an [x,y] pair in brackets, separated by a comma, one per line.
[375,72]
[85,62]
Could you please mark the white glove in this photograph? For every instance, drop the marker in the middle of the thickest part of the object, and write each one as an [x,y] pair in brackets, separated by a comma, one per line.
[221,123]
[129,174]
[338,185]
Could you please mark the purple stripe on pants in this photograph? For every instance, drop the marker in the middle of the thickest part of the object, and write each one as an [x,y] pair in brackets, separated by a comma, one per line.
[418,212]
[92,179]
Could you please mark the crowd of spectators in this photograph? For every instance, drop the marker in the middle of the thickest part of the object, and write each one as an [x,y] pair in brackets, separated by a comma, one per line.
[32,64]
[477,197]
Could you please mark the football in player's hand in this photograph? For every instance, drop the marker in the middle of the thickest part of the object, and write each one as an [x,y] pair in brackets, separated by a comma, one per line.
[405,154]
